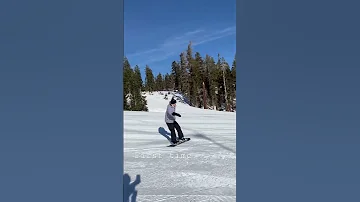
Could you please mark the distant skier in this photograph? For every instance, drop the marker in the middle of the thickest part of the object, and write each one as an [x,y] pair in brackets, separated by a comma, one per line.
[170,116]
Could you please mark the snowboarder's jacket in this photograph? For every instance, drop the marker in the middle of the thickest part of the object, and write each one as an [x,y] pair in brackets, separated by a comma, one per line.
[170,114]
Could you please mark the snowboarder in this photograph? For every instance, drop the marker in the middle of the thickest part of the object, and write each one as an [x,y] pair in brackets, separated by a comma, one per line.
[170,116]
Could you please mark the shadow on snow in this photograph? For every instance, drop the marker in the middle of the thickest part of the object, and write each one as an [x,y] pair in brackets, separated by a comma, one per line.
[214,142]
[164,133]
[130,193]
[167,135]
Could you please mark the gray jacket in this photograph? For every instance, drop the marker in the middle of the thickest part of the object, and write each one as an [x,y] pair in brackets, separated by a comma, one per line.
[169,118]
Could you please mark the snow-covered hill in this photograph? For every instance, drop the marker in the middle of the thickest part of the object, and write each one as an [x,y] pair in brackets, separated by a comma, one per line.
[202,169]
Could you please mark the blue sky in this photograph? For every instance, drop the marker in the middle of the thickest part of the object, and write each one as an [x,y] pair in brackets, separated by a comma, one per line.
[156,32]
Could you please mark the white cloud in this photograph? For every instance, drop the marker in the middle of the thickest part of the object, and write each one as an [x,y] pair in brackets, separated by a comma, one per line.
[176,44]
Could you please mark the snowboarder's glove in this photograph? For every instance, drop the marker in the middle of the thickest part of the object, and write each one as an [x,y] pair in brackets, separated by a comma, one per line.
[176,114]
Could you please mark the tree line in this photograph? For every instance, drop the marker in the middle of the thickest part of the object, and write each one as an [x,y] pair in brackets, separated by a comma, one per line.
[205,81]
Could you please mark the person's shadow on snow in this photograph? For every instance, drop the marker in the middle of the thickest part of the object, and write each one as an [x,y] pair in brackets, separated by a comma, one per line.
[164,133]
[130,192]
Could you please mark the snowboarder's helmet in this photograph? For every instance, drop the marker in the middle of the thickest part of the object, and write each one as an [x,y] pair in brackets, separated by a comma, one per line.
[173,101]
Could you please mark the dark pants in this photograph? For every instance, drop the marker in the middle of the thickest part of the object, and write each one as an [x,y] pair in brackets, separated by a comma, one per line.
[172,127]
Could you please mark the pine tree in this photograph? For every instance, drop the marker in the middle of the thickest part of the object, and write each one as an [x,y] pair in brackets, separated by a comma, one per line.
[204,82]
[175,72]
[183,74]
[127,81]
[233,73]
[167,82]
[149,79]
[205,74]
[211,80]
[159,83]
[196,80]
[190,80]
[139,102]
[227,83]
[233,84]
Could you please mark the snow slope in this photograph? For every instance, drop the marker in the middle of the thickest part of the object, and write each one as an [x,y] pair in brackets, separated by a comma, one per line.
[203,169]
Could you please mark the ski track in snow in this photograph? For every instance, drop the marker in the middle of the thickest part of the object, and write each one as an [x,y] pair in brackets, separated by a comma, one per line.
[203,169]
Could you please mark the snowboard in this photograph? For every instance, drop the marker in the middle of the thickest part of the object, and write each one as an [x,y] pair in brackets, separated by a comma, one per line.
[180,142]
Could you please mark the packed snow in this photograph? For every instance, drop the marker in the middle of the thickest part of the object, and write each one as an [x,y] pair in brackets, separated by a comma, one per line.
[202,169]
